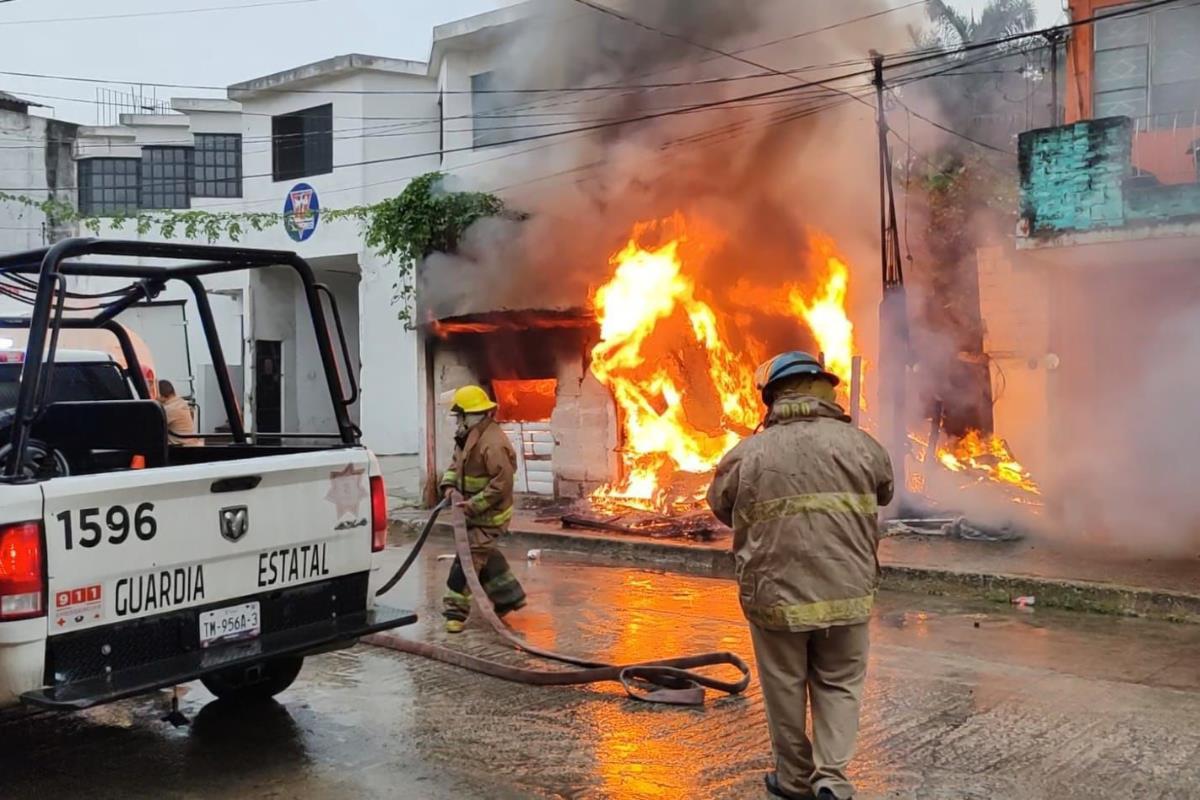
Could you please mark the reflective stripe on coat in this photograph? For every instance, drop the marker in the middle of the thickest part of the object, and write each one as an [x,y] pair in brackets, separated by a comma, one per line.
[803,497]
[482,470]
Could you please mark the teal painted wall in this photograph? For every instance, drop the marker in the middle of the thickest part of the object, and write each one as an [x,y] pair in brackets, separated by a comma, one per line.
[1077,178]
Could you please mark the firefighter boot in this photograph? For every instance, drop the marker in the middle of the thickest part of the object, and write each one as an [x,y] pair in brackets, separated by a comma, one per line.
[456,606]
[503,611]
[775,790]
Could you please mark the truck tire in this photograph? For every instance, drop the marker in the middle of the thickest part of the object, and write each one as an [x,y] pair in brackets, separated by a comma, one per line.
[254,681]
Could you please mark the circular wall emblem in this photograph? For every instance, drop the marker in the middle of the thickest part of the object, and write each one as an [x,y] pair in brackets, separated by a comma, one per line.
[301,212]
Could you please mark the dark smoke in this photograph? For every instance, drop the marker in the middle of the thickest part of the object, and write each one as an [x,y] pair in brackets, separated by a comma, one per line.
[760,172]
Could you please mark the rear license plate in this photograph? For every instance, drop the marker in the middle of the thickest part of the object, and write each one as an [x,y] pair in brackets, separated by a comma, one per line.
[226,624]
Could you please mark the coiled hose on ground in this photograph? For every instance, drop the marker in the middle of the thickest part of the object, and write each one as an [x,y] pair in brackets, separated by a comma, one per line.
[668,680]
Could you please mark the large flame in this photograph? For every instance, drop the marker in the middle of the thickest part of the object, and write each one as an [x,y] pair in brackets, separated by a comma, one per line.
[978,458]
[989,457]
[825,311]
[685,394]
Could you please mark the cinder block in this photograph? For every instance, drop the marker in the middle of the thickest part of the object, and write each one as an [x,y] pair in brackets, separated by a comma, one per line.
[570,488]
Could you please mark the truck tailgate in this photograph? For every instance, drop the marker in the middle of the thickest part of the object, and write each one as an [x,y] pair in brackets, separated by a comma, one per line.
[127,545]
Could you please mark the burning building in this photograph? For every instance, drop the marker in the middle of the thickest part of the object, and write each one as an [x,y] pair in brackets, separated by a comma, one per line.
[634,398]
[619,323]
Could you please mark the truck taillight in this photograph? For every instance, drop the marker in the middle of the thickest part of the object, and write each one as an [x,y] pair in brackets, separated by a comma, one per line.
[22,577]
[379,515]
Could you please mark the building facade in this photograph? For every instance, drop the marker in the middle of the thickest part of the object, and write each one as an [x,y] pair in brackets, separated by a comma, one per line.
[1086,318]
[335,134]
[35,162]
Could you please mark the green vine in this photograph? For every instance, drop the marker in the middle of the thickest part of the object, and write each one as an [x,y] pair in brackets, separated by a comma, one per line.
[406,229]
[422,220]
[209,226]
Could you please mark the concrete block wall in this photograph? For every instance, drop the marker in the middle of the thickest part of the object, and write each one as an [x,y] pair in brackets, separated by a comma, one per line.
[1072,176]
[450,371]
[1014,303]
[1078,178]
[1151,204]
[584,425]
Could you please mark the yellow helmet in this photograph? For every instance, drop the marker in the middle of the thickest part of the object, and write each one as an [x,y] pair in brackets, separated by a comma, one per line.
[472,400]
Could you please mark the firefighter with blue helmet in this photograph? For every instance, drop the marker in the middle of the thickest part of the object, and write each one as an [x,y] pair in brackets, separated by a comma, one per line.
[803,496]
[482,473]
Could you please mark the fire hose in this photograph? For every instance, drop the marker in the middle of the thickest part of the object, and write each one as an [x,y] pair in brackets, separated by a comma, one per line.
[672,681]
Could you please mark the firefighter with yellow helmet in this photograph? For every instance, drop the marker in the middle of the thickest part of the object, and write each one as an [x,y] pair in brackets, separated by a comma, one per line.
[482,472]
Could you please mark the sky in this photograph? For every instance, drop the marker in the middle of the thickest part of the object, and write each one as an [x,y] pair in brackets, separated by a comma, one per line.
[173,41]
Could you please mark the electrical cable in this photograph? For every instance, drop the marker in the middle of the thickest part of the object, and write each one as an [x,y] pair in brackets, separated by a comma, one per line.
[176,12]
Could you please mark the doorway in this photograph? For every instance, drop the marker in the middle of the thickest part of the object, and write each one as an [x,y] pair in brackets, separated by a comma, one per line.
[268,389]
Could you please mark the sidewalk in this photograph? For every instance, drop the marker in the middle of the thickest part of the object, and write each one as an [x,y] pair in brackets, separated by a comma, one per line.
[1058,575]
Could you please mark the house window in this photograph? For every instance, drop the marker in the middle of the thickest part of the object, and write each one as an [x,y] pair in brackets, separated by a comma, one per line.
[1147,65]
[302,143]
[109,186]
[166,177]
[489,126]
[218,165]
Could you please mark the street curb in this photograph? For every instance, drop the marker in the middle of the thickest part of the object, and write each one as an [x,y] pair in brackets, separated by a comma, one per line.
[1093,597]
[1096,598]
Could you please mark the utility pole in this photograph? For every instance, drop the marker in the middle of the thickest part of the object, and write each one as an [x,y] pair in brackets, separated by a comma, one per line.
[893,309]
[1055,37]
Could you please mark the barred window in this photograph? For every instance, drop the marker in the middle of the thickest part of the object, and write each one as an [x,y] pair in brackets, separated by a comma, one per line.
[1146,65]
[109,186]
[488,123]
[218,165]
[302,143]
[166,177]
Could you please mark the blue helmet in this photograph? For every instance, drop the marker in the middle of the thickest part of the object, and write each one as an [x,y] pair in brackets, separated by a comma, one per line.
[787,365]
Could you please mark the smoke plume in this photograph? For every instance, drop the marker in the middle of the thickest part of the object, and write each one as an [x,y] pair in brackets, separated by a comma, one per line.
[754,174]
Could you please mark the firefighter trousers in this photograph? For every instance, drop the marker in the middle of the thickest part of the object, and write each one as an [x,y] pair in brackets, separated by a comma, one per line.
[501,585]
[823,668]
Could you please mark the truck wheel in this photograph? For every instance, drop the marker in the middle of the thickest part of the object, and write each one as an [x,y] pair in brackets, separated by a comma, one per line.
[254,681]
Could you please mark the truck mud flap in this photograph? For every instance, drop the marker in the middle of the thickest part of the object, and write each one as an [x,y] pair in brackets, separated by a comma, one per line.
[192,665]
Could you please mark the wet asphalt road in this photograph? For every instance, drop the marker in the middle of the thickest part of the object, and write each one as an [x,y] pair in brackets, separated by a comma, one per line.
[1026,705]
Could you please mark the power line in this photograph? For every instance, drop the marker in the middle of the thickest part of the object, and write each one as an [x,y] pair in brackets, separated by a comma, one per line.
[1143,8]
[705,139]
[646,26]
[714,104]
[432,92]
[513,90]
[156,13]
[917,56]
[918,59]
[365,132]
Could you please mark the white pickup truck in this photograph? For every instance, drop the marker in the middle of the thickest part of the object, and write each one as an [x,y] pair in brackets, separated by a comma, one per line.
[128,564]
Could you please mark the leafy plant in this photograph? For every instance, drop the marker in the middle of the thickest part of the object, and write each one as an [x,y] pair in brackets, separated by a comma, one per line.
[422,220]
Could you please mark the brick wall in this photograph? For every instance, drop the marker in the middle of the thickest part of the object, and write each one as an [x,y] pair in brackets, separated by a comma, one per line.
[1078,178]
[1072,176]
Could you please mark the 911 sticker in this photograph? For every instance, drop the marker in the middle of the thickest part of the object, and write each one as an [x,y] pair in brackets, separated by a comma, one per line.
[74,607]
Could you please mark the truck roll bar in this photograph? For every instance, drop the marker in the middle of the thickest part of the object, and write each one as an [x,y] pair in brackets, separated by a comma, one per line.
[187,263]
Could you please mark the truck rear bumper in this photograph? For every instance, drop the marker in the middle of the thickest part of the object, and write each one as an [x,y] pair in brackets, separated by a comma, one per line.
[109,662]
[190,666]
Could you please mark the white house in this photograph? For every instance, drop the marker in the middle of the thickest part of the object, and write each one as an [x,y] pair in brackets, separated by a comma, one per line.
[338,133]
